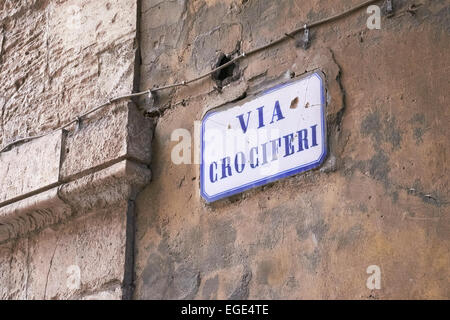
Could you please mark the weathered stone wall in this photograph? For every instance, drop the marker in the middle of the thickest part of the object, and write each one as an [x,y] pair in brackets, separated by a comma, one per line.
[58,58]
[380,199]
[38,266]
[66,199]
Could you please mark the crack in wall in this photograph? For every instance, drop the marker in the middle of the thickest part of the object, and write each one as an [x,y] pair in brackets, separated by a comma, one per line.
[28,268]
[340,113]
[50,267]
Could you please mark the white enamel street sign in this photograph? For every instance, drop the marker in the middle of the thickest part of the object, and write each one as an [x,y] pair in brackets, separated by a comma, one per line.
[277,134]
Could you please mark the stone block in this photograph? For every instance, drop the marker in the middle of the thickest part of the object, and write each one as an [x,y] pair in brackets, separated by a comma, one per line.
[120,132]
[78,258]
[29,167]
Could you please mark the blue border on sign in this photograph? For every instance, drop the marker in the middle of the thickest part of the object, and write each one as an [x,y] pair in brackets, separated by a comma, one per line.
[279,175]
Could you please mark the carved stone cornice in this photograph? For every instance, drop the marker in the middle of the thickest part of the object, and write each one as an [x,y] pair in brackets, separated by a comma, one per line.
[68,173]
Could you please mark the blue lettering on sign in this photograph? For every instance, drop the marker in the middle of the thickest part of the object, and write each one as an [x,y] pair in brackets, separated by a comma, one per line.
[276,113]
[244,125]
[239,163]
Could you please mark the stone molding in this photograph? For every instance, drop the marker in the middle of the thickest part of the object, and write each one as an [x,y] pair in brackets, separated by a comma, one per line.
[94,166]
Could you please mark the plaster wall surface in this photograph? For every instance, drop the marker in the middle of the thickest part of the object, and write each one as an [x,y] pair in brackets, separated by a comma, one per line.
[380,199]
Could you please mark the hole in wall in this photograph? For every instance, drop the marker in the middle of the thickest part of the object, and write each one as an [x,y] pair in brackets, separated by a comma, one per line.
[226,75]
[227,71]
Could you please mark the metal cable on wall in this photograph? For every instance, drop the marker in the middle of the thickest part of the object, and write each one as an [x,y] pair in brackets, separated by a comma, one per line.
[149,92]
